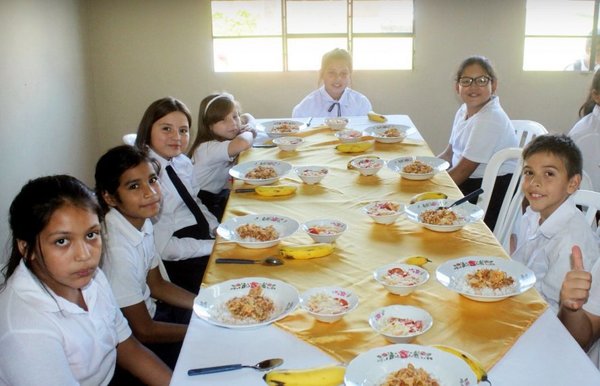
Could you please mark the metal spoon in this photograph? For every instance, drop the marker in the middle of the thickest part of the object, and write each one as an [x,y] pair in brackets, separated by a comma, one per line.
[466,198]
[262,366]
[271,260]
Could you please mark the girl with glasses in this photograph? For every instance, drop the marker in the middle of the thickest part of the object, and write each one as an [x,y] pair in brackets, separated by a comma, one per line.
[480,129]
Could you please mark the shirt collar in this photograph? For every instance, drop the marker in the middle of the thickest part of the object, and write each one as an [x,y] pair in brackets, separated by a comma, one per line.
[126,229]
[556,222]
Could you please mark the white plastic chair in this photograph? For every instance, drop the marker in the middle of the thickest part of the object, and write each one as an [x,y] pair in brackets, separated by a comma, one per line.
[590,205]
[586,181]
[527,130]
[129,139]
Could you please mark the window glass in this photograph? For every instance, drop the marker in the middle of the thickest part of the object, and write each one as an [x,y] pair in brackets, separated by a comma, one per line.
[382,53]
[305,54]
[316,17]
[248,54]
[246,18]
[383,16]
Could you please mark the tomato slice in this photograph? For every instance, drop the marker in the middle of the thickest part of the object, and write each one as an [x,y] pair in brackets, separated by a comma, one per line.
[343,302]
[397,271]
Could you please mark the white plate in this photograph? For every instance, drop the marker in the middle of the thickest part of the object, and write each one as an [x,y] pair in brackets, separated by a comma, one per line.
[452,272]
[372,367]
[378,130]
[239,171]
[438,165]
[269,126]
[210,302]
[467,213]
[285,226]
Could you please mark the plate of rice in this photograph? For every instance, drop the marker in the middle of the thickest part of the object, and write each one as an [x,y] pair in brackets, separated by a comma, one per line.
[262,172]
[281,128]
[397,363]
[257,230]
[427,214]
[418,167]
[485,278]
[389,133]
[246,303]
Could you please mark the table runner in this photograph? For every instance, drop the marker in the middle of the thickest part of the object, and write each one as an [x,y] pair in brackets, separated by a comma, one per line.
[486,330]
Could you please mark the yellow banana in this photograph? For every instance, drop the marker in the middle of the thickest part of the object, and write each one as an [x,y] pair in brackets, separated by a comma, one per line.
[356,147]
[416,260]
[302,252]
[350,166]
[332,375]
[375,117]
[473,363]
[428,196]
[275,190]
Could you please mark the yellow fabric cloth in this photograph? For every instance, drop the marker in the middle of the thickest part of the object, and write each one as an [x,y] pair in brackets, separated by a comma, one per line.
[486,330]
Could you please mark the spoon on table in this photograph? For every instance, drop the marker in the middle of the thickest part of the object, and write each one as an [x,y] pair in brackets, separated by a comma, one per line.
[466,198]
[271,260]
[262,366]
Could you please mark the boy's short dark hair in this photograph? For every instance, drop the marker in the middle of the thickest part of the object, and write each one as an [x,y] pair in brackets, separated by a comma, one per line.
[559,145]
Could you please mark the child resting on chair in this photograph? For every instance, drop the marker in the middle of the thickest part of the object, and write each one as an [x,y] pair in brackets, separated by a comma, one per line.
[552,224]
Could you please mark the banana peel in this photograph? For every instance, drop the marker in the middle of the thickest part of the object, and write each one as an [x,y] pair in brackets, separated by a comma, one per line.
[304,252]
[473,363]
[428,196]
[270,190]
[416,260]
[332,375]
[376,117]
[354,147]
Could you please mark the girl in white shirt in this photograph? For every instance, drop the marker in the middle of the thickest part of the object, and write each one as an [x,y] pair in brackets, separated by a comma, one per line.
[222,135]
[480,129]
[334,98]
[58,312]
[586,133]
[183,232]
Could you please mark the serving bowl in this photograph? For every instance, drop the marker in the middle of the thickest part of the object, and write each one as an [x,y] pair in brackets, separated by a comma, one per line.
[288,143]
[399,165]
[338,123]
[324,230]
[401,279]
[367,166]
[240,171]
[311,174]
[384,212]
[388,133]
[284,226]
[465,213]
[400,323]
[328,304]
[349,135]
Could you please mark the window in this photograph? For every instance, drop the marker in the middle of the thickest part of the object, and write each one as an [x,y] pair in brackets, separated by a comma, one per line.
[293,35]
[560,35]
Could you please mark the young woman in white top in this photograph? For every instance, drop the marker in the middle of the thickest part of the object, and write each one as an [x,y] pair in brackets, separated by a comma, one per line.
[586,133]
[334,98]
[222,135]
[129,193]
[60,324]
[480,129]
[183,239]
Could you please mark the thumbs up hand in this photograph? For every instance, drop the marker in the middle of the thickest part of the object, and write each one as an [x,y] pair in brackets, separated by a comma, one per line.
[575,288]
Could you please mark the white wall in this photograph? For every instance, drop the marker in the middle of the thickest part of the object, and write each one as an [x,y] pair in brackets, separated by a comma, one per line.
[45,118]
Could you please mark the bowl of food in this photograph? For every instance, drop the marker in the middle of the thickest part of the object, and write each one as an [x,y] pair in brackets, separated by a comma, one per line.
[418,168]
[338,123]
[434,215]
[401,279]
[367,166]
[256,231]
[311,174]
[328,304]
[288,143]
[325,230]
[399,323]
[384,212]
[388,133]
[349,135]
[262,172]
[281,128]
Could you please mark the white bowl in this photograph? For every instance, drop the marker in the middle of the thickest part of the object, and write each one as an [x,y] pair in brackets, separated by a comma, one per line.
[398,164]
[239,171]
[466,213]
[383,321]
[284,226]
[349,135]
[288,143]
[367,166]
[401,279]
[382,213]
[324,231]
[338,123]
[347,299]
[382,134]
[282,128]
[311,174]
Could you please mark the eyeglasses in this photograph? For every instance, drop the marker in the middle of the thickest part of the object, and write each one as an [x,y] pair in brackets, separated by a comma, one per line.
[480,81]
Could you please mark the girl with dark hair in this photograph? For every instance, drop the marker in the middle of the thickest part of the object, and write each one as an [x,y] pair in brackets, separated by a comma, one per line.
[58,312]
[184,228]
[480,129]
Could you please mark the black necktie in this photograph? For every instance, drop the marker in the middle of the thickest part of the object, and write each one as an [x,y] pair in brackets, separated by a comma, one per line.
[339,114]
[187,197]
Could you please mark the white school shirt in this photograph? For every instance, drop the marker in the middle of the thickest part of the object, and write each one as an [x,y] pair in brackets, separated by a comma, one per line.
[48,340]
[586,135]
[546,248]
[479,137]
[211,166]
[593,307]
[319,101]
[175,215]
[129,254]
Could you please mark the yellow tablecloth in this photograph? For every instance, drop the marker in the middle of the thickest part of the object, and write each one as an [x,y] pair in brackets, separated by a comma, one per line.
[486,330]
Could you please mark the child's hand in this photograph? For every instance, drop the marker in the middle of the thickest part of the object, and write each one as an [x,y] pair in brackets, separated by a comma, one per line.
[575,288]
[248,128]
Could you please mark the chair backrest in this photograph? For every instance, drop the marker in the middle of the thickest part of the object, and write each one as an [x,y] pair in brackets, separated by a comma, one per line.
[129,139]
[586,181]
[589,201]
[527,130]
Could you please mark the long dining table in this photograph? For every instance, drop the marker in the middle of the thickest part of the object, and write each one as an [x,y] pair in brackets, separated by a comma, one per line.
[519,340]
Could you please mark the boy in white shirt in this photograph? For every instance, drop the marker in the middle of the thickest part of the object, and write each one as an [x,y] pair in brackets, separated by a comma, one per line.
[552,224]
